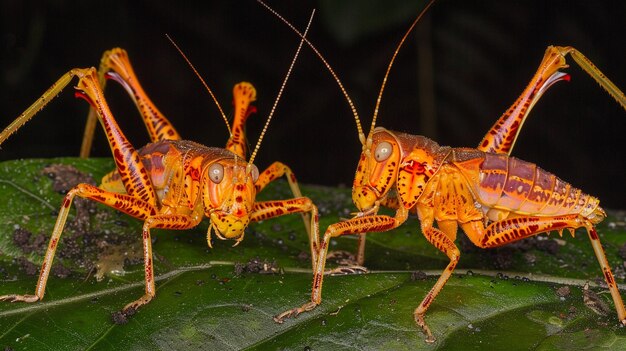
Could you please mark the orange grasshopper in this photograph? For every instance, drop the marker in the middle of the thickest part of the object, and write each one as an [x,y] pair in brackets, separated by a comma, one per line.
[171,183]
[496,199]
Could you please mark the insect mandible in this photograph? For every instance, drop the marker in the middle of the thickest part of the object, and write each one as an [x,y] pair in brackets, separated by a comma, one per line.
[170,183]
[496,199]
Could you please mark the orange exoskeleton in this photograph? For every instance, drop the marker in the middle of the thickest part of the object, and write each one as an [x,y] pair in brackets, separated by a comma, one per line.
[170,183]
[496,199]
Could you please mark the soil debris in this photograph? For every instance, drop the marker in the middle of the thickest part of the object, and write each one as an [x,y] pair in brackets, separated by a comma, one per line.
[594,302]
[256,265]
[418,275]
[563,291]
[27,266]
[64,178]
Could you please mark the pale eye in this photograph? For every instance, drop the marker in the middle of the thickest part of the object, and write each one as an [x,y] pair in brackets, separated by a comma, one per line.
[216,173]
[383,151]
[255,173]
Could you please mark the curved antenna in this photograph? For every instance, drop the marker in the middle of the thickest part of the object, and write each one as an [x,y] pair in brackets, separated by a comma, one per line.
[330,69]
[393,58]
[280,92]
[219,107]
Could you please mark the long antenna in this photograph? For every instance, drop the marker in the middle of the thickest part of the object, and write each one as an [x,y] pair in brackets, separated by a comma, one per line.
[280,92]
[330,69]
[219,107]
[393,58]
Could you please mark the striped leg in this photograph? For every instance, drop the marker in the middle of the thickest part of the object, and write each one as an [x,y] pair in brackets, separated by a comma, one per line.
[164,222]
[277,170]
[352,226]
[503,134]
[270,209]
[122,202]
[442,239]
[388,202]
[134,175]
[513,229]
[115,64]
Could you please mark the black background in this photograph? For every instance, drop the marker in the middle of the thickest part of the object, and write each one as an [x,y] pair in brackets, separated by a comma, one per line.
[483,55]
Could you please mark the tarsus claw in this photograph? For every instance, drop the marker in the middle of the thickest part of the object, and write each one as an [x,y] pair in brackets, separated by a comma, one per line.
[293,313]
[347,270]
[20,298]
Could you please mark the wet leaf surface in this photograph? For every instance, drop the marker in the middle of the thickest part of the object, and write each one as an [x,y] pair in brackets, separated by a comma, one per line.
[225,298]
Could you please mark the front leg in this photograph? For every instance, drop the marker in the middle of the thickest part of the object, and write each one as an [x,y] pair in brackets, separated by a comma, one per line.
[277,170]
[378,223]
[270,209]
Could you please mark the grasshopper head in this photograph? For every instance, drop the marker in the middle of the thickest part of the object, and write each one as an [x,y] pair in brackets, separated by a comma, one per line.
[377,169]
[229,195]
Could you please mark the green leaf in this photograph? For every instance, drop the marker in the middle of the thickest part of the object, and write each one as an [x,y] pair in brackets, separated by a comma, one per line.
[202,303]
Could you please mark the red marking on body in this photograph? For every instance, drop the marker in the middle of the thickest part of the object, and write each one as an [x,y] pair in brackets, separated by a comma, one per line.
[608,276]
[194,173]
[413,167]
[53,243]
[66,202]
[427,300]
[82,95]
[239,187]
[593,234]
[293,177]
[317,281]
[149,270]
[119,159]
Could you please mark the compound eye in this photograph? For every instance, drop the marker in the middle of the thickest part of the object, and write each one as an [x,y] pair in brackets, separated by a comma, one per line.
[255,173]
[383,151]
[216,173]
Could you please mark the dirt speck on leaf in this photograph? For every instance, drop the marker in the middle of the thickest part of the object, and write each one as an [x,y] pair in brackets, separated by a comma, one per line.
[28,267]
[563,291]
[256,265]
[64,178]
[594,302]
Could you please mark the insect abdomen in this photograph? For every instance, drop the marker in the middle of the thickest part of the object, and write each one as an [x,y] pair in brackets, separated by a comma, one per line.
[510,184]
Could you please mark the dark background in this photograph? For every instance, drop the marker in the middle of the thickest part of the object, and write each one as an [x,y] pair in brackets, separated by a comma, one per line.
[468,61]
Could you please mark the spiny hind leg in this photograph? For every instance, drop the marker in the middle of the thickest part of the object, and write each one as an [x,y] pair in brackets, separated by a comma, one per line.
[116,65]
[608,274]
[122,202]
[509,230]
[133,173]
[503,134]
